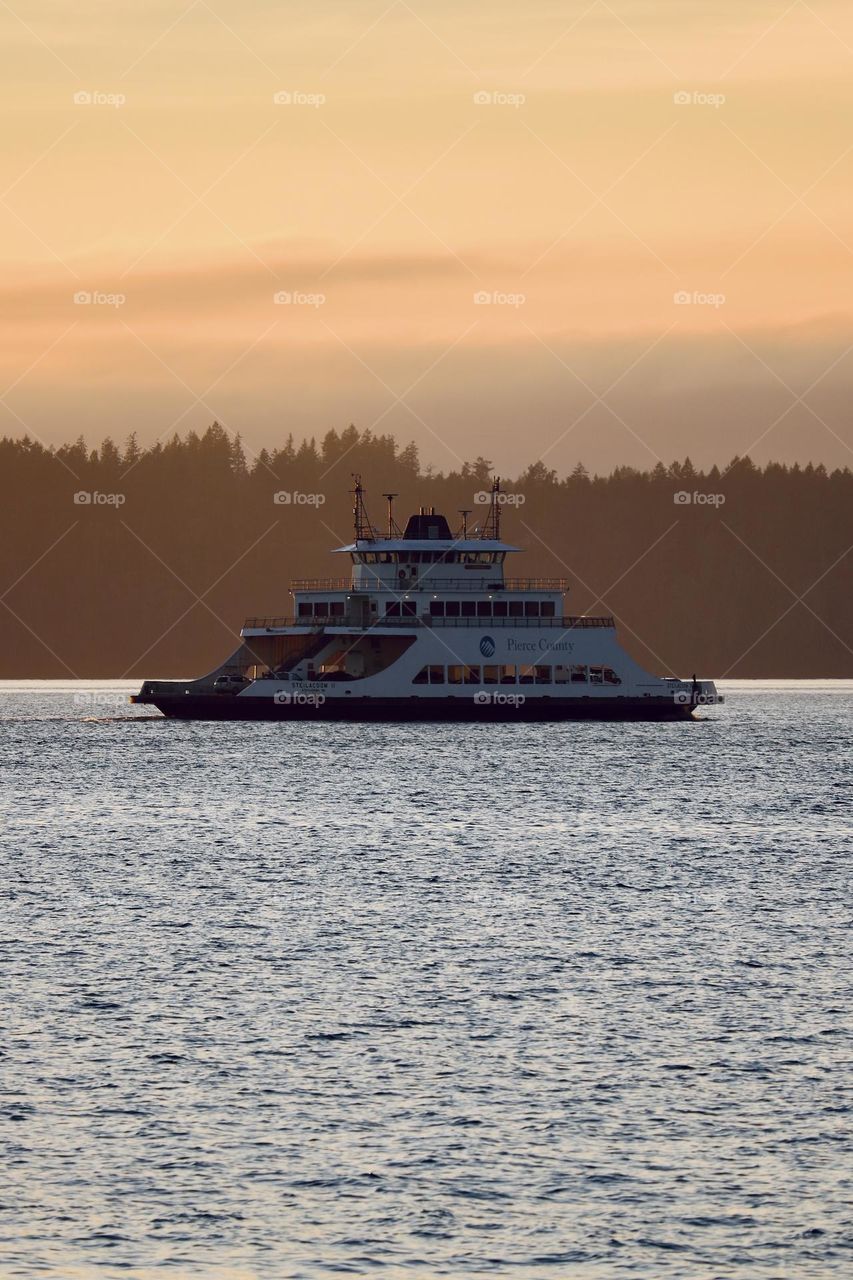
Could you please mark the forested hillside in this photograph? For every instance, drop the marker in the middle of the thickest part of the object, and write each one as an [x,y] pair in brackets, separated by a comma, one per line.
[153,575]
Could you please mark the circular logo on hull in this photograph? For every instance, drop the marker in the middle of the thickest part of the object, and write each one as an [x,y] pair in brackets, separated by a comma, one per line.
[487,647]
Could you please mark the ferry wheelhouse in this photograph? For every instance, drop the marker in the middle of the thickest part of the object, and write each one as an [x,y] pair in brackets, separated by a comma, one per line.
[427,626]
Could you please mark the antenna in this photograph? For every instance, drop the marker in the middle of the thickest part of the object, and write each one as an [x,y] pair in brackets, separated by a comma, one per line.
[464,514]
[492,523]
[392,524]
[364,530]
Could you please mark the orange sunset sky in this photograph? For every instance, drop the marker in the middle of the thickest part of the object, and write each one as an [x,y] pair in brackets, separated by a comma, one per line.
[381,166]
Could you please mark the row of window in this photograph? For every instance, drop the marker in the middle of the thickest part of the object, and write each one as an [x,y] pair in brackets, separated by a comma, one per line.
[429,557]
[492,608]
[438,609]
[513,673]
[321,609]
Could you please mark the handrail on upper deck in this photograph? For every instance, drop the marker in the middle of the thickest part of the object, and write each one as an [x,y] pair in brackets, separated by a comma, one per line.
[478,581]
[414,620]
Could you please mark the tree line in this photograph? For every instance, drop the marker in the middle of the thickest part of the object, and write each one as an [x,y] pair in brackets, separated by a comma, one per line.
[144,561]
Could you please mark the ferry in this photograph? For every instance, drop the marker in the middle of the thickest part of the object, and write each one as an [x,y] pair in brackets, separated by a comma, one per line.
[428,627]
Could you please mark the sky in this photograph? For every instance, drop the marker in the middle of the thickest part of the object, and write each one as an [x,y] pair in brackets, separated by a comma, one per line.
[611,232]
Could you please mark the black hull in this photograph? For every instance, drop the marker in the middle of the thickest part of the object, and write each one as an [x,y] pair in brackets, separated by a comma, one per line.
[409,710]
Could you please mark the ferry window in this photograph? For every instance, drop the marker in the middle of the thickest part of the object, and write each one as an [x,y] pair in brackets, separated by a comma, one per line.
[516,609]
[491,675]
[451,609]
[468,608]
[578,675]
[596,675]
[543,675]
[436,608]
[369,557]
[525,675]
[454,675]
[499,557]
[303,610]
[531,608]
[321,608]
[415,557]
[472,675]
[561,675]
[422,677]
[408,609]
[499,608]
[392,610]
[547,608]
[436,675]
[336,608]
[508,674]
[484,608]
[610,676]
[384,557]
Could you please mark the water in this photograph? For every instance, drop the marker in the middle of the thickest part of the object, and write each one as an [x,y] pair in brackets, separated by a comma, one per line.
[329,1000]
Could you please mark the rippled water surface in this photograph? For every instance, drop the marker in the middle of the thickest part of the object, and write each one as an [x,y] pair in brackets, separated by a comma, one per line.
[319,1000]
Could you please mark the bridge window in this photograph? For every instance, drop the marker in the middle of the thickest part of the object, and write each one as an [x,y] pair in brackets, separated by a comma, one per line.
[531,608]
[336,608]
[547,608]
[303,610]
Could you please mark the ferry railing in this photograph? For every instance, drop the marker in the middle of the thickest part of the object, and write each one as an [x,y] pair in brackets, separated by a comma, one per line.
[424,620]
[478,581]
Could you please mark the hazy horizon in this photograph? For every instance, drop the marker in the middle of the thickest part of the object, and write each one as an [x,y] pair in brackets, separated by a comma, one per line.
[582,165]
